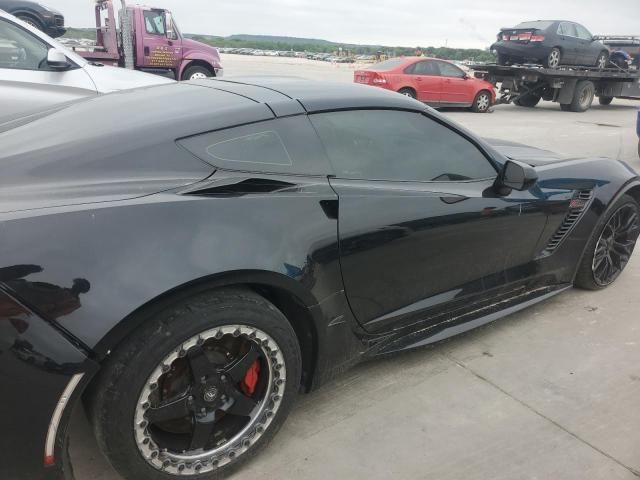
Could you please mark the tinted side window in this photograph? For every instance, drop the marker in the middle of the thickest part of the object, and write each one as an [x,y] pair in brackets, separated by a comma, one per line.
[286,145]
[583,33]
[567,29]
[392,145]
[423,68]
[20,49]
[448,70]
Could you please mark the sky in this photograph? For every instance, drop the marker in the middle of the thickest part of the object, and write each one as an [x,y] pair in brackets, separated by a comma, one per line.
[456,23]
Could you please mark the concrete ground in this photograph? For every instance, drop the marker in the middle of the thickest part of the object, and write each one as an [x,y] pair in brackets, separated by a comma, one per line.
[551,393]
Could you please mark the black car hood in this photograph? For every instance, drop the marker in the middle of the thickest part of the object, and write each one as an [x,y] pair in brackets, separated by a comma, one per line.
[523,153]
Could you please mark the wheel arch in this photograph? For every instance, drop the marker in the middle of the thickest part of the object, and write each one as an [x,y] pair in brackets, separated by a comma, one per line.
[24,12]
[408,88]
[288,295]
[195,63]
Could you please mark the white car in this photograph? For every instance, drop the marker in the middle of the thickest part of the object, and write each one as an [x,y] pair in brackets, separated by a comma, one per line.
[37,72]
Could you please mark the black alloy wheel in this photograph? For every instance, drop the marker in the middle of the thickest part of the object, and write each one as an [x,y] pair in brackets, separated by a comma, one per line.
[615,245]
[199,389]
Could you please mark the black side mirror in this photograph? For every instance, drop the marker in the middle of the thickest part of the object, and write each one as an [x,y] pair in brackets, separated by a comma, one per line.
[515,176]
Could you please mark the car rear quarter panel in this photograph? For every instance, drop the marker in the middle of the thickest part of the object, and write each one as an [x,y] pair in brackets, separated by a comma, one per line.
[132,252]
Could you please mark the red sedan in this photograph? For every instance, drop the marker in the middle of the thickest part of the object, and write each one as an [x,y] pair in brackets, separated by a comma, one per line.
[436,82]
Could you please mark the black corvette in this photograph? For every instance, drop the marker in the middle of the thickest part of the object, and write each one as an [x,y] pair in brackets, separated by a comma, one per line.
[186,271]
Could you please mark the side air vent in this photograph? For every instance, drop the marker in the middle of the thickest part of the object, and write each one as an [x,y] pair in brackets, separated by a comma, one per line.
[578,206]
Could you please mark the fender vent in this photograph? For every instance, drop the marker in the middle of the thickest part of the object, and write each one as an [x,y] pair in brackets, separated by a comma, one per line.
[579,204]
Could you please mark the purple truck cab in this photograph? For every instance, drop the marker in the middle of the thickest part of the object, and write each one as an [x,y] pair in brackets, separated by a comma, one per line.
[150,41]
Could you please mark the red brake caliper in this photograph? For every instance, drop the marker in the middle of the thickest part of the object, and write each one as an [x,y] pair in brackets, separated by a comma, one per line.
[250,380]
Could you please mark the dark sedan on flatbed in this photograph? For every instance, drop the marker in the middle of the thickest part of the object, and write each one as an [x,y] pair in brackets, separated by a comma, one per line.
[551,43]
[188,274]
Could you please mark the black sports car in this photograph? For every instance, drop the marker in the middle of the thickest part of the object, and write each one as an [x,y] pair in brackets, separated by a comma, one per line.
[187,273]
[551,43]
[40,16]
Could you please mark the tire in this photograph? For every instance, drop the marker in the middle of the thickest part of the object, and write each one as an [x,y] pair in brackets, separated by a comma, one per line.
[554,59]
[502,59]
[34,22]
[583,96]
[408,92]
[196,72]
[589,275]
[165,355]
[528,100]
[603,60]
[482,102]
[605,100]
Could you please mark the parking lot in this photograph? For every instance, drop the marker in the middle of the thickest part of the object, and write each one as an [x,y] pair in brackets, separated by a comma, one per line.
[549,393]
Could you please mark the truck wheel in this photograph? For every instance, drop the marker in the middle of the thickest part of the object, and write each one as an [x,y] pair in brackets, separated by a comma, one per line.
[583,96]
[196,72]
[482,102]
[528,100]
[198,389]
[553,59]
[29,20]
[605,100]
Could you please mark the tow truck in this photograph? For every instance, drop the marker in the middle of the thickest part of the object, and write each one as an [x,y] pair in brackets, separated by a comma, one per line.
[149,40]
[573,87]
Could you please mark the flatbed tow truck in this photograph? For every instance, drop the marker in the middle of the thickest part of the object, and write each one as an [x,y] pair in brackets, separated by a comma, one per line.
[574,87]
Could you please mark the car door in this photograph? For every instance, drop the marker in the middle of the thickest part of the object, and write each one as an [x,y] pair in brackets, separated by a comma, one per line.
[421,228]
[569,43]
[27,82]
[589,50]
[160,51]
[424,77]
[456,89]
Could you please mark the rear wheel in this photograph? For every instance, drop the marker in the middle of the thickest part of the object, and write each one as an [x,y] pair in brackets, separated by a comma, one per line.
[605,100]
[198,389]
[582,97]
[482,102]
[408,92]
[197,72]
[553,59]
[611,246]
[528,100]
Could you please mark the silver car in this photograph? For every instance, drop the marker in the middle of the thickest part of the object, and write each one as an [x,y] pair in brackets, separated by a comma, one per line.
[37,72]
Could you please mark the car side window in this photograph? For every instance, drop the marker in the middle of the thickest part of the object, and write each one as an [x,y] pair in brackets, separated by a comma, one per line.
[154,22]
[21,50]
[567,29]
[426,67]
[449,70]
[286,145]
[583,33]
[398,146]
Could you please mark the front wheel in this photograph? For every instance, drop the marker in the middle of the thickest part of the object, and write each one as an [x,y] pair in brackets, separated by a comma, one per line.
[196,72]
[198,389]
[29,20]
[482,102]
[611,246]
[602,61]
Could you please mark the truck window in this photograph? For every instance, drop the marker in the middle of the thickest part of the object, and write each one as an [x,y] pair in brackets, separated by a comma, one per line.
[154,22]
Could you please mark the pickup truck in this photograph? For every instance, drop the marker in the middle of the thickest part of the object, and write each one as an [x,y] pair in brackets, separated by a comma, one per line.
[149,40]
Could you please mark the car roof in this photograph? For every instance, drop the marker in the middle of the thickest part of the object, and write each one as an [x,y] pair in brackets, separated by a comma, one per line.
[291,95]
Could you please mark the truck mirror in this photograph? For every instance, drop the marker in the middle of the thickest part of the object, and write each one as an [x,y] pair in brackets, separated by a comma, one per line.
[170,29]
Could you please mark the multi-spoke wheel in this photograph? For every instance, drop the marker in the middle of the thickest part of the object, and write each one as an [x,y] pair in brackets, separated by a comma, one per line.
[610,249]
[229,369]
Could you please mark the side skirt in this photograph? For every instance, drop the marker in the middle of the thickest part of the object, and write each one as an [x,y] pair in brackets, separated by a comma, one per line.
[456,325]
